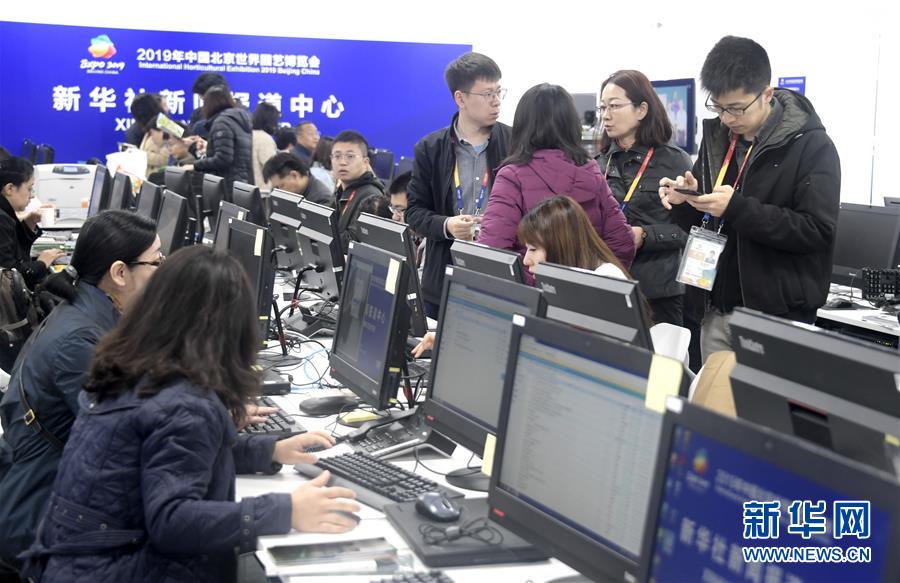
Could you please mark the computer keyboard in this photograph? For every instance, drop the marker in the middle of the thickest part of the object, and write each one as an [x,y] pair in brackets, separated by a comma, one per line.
[279,423]
[433,576]
[375,481]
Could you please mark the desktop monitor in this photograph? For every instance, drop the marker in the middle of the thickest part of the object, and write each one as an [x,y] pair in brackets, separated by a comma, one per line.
[149,200]
[179,181]
[248,196]
[838,392]
[320,245]
[120,197]
[283,224]
[867,236]
[213,193]
[469,359]
[172,224]
[252,247]
[577,444]
[397,238]
[227,211]
[382,164]
[712,475]
[497,262]
[99,191]
[369,350]
[606,305]
[678,99]
[892,201]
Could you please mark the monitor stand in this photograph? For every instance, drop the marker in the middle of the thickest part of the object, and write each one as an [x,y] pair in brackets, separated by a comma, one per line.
[470,479]
[308,322]
[325,406]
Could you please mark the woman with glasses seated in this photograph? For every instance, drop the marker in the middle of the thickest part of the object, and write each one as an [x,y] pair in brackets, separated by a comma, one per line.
[546,158]
[116,253]
[634,155]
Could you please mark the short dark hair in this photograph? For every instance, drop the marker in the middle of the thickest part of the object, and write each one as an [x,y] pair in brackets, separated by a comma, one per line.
[4,154]
[282,163]
[105,238]
[16,171]
[655,129]
[300,125]
[400,183]
[462,73]
[206,80]
[322,155]
[285,138]
[216,99]
[546,118]
[145,107]
[266,118]
[194,320]
[378,205]
[353,137]
[734,64]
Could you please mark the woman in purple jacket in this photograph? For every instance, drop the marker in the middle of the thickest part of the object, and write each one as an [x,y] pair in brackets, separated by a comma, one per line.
[546,158]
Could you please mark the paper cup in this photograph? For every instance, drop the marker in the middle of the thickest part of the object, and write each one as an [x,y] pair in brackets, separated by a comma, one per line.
[48,217]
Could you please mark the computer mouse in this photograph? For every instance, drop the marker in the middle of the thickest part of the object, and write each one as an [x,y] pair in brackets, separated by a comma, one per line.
[437,507]
[838,304]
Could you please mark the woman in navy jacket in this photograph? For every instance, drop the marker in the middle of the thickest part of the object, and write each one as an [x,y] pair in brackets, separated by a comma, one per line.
[114,256]
[146,485]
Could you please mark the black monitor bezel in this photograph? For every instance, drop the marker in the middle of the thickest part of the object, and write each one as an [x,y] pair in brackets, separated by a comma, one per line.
[319,224]
[121,193]
[179,181]
[99,201]
[488,260]
[380,154]
[227,210]
[577,550]
[284,226]
[796,456]
[213,193]
[241,192]
[852,274]
[400,237]
[167,247]
[579,291]
[154,191]
[345,371]
[442,417]
[264,278]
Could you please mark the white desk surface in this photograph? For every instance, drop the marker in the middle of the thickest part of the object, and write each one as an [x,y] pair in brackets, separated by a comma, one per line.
[870,319]
[374,521]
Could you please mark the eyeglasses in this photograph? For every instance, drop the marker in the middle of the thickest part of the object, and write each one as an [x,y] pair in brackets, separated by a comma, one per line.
[612,107]
[349,157]
[159,261]
[397,209]
[490,95]
[732,111]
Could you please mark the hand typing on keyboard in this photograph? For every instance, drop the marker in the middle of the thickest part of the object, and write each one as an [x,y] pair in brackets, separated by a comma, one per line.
[256,414]
[293,450]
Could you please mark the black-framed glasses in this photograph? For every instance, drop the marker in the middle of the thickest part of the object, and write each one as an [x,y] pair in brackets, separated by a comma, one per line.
[159,261]
[490,95]
[732,111]
[613,107]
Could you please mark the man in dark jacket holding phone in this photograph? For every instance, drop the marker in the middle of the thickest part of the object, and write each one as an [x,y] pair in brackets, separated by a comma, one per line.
[777,200]
[474,143]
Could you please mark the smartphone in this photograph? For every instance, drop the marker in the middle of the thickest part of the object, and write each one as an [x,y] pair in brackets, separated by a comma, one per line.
[688,191]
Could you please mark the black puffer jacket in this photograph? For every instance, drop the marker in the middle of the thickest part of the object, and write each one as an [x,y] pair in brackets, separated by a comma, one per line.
[783,217]
[656,262]
[229,153]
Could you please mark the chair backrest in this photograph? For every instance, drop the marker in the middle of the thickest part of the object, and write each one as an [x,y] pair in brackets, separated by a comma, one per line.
[45,154]
[382,163]
[712,386]
[672,341]
[404,164]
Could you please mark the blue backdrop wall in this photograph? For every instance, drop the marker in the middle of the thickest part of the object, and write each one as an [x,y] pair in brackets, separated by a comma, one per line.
[71,86]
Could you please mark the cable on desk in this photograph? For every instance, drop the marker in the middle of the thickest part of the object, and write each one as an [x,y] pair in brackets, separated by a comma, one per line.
[479,529]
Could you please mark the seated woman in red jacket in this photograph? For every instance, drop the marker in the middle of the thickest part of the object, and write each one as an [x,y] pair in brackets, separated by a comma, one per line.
[546,158]
[146,489]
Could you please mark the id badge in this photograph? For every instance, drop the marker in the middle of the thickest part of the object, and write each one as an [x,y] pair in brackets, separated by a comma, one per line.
[700,259]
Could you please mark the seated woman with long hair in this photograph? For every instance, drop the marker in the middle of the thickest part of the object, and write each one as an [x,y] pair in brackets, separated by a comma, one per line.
[150,464]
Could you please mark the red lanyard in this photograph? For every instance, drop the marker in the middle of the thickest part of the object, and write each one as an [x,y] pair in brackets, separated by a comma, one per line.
[349,200]
[727,162]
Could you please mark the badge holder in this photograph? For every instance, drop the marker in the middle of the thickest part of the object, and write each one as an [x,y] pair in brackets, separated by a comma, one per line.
[700,259]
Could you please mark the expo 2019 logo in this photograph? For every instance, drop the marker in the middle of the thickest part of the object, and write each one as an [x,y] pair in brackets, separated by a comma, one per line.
[102,47]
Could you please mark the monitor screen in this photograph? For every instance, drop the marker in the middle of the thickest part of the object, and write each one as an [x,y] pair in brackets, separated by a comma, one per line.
[867,236]
[320,245]
[382,163]
[397,238]
[497,262]
[713,473]
[99,191]
[595,302]
[171,226]
[121,194]
[227,211]
[470,353]
[370,338]
[149,200]
[248,196]
[252,247]
[577,446]
[678,99]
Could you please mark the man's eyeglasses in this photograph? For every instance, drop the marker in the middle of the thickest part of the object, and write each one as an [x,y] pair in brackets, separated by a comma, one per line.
[399,210]
[349,157]
[612,107]
[490,95]
[732,111]
[159,261]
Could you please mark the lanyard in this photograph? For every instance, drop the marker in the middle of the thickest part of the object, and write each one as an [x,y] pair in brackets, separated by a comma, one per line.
[637,178]
[349,200]
[479,202]
[721,177]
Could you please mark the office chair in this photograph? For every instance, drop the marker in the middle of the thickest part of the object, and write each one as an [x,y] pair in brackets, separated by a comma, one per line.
[44,154]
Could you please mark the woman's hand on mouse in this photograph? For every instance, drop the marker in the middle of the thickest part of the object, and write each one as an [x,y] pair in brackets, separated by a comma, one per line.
[316,507]
[292,450]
